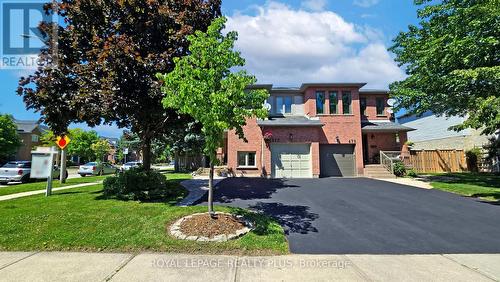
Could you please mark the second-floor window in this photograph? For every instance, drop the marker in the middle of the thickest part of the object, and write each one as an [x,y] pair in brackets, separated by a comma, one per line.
[34,138]
[346,102]
[380,106]
[283,104]
[362,105]
[320,102]
[334,102]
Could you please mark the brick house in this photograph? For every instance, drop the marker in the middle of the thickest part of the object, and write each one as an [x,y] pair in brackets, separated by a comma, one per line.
[316,130]
[29,133]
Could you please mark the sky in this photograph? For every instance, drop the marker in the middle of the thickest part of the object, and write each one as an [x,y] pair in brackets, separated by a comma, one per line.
[290,42]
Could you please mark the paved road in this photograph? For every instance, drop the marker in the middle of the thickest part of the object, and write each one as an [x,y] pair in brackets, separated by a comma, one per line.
[366,216]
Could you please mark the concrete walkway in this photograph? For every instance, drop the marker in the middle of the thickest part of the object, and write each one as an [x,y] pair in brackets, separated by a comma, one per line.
[38,192]
[415,182]
[58,266]
[197,189]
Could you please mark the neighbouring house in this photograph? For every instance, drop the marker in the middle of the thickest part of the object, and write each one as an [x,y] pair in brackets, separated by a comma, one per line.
[30,133]
[316,130]
[432,133]
[112,156]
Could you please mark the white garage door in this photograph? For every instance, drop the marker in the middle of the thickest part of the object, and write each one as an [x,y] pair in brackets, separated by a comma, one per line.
[291,161]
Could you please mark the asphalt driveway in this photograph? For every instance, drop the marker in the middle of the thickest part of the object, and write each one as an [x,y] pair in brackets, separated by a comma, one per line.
[366,216]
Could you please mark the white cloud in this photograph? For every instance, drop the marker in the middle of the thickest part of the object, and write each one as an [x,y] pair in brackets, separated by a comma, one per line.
[314,5]
[365,3]
[288,47]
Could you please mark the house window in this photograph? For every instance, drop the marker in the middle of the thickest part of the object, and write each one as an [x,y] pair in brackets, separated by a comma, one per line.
[246,159]
[380,106]
[334,102]
[346,102]
[284,104]
[320,102]
[288,104]
[397,138]
[362,105]
[34,138]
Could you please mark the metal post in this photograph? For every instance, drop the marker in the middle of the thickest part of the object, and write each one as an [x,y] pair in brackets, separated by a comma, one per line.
[49,179]
[62,176]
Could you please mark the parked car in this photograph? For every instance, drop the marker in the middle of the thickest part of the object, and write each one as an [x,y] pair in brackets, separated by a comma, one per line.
[95,168]
[129,165]
[19,171]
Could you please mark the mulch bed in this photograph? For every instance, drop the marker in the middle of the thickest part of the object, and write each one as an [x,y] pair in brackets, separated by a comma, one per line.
[206,226]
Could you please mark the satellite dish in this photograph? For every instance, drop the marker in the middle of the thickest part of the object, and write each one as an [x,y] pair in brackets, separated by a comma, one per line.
[390,111]
[267,106]
[391,102]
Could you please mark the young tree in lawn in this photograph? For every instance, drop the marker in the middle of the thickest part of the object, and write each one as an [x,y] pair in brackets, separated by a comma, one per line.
[101,148]
[108,53]
[452,60]
[204,86]
[9,139]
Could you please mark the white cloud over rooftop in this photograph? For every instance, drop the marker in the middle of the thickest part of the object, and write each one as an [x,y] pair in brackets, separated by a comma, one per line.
[287,46]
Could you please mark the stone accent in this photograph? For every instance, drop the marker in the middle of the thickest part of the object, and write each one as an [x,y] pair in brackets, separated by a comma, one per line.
[175,230]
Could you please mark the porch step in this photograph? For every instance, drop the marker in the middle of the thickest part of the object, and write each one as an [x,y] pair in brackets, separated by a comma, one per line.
[378,171]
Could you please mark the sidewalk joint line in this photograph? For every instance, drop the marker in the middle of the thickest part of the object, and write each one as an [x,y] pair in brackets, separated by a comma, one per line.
[236,268]
[21,259]
[120,267]
[357,269]
[467,267]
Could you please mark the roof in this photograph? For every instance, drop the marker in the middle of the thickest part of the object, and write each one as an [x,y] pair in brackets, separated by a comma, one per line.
[290,121]
[373,91]
[26,126]
[370,126]
[304,86]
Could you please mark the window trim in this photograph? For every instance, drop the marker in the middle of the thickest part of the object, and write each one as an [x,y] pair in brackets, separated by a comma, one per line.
[247,159]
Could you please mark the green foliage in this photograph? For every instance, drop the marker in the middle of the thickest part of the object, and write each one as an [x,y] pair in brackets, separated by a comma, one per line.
[9,139]
[399,169]
[203,86]
[80,145]
[139,185]
[411,173]
[452,62]
[473,156]
[108,53]
[101,148]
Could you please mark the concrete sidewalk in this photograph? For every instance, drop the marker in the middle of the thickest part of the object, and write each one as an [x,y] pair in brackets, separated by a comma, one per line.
[38,192]
[58,266]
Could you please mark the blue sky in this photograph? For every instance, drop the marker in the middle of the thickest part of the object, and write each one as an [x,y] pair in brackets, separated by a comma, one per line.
[289,42]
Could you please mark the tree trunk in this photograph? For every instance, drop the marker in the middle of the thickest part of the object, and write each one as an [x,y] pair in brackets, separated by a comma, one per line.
[211,190]
[146,154]
[176,162]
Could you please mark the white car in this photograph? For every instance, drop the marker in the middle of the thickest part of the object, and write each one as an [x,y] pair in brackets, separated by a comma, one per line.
[95,168]
[19,171]
[129,165]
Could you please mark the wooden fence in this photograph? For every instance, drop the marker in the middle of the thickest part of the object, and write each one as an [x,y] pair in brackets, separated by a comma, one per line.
[437,161]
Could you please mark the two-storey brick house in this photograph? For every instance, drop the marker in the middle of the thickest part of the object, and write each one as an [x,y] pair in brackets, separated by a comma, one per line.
[317,130]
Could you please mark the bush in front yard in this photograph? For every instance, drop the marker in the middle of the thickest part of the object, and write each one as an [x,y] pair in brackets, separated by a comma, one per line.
[399,169]
[138,184]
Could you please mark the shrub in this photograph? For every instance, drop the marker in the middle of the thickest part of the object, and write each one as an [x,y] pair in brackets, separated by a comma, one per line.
[399,169]
[411,173]
[138,184]
[473,156]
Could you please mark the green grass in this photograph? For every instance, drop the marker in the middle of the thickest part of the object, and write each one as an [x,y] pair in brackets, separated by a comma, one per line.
[81,219]
[480,185]
[18,188]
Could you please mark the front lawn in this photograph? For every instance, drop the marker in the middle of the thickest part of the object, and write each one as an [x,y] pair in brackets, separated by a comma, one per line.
[481,185]
[82,219]
[19,188]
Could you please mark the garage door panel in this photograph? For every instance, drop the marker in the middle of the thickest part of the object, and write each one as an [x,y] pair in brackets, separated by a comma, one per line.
[291,160]
[337,160]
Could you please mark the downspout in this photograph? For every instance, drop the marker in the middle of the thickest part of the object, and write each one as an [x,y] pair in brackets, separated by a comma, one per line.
[262,155]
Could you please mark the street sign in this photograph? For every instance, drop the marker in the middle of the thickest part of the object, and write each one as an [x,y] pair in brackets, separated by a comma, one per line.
[62,141]
[125,151]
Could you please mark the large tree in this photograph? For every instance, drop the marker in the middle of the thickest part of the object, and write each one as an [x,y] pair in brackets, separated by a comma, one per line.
[102,68]
[9,139]
[205,86]
[452,59]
